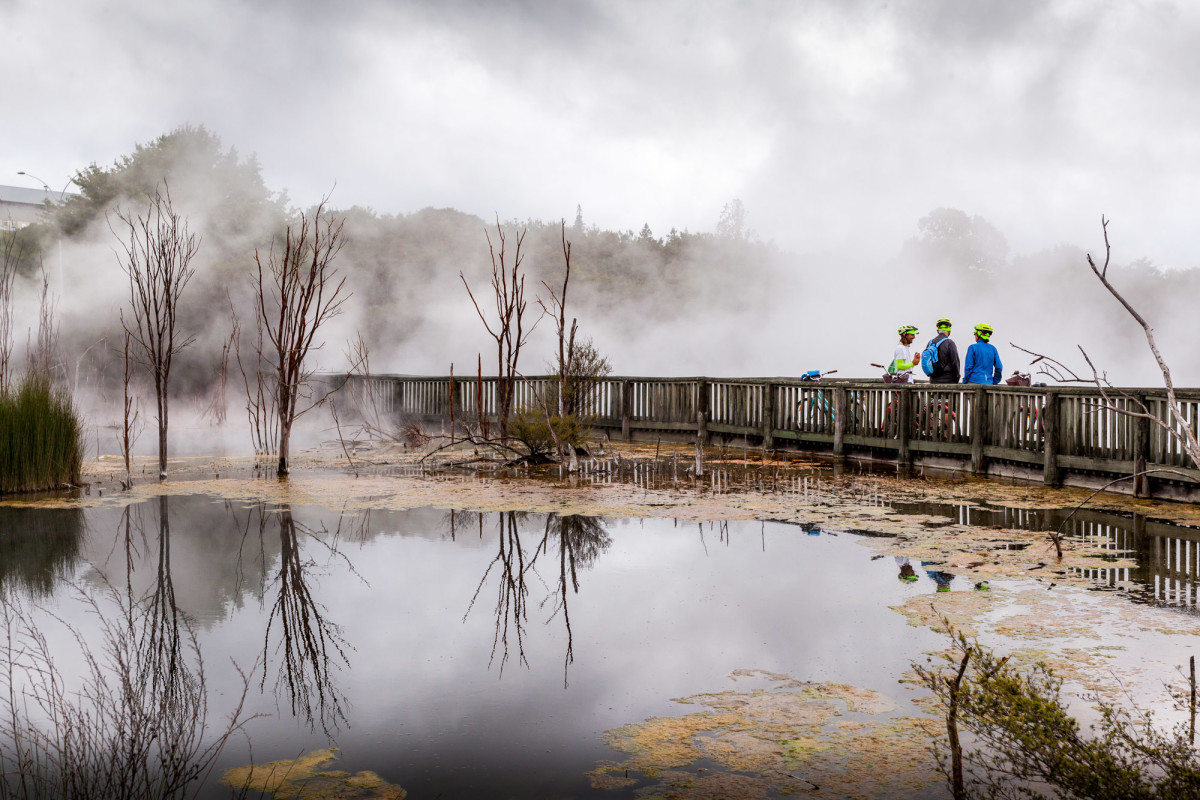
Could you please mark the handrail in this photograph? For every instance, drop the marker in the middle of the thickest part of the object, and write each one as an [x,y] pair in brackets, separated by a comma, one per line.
[1060,428]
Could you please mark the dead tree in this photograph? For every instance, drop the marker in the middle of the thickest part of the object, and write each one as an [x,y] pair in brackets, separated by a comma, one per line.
[158,252]
[1177,427]
[298,290]
[260,397]
[42,354]
[508,290]
[556,309]
[11,253]
[579,366]
[129,427]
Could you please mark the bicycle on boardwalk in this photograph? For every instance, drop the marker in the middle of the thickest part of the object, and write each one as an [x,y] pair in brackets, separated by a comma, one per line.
[814,410]
[936,419]
[1025,423]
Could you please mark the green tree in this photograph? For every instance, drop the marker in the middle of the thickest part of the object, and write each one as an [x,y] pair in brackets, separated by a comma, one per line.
[953,239]
[192,161]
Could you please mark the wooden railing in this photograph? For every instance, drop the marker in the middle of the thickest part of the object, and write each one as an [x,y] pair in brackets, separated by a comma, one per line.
[1055,429]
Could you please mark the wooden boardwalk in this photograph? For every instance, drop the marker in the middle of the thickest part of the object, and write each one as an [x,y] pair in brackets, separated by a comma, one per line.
[1051,434]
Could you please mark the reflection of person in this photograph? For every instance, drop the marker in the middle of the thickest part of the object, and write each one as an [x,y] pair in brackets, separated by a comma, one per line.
[983,360]
[942,579]
[946,368]
[907,574]
[902,363]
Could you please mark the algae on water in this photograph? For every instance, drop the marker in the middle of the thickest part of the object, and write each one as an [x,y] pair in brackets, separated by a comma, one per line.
[302,779]
[793,737]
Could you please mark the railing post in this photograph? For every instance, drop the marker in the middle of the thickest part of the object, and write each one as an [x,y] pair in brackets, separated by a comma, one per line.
[904,427]
[1050,474]
[626,410]
[702,416]
[1141,451]
[840,403]
[768,420]
[979,414]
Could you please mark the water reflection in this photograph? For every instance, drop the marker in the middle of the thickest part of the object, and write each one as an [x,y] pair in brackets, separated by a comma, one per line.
[133,720]
[573,542]
[162,632]
[38,547]
[310,648]
[1167,556]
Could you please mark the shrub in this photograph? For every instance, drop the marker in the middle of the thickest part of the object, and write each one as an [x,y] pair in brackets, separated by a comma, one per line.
[41,437]
[530,428]
[1027,743]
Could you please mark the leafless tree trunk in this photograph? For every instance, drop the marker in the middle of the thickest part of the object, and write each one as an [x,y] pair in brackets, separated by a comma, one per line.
[1177,427]
[260,398]
[508,290]
[556,308]
[42,354]
[157,259]
[1180,427]
[297,292]
[10,256]
[129,429]
[218,406]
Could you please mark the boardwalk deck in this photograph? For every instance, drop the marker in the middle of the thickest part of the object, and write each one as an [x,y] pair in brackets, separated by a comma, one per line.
[1049,434]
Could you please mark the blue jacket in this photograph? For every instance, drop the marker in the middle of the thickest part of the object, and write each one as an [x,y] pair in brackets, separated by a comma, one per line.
[983,364]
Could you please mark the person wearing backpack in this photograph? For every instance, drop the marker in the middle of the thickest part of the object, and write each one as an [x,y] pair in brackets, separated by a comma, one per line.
[983,360]
[939,359]
[901,367]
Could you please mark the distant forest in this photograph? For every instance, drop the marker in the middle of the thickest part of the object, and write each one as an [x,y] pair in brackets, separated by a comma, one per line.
[403,269]
[719,302]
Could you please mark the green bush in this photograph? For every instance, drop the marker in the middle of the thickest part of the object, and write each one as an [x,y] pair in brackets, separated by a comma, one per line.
[41,437]
[530,429]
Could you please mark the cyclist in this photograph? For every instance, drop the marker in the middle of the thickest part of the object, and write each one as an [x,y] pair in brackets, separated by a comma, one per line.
[903,362]
[983,360]
[946,368]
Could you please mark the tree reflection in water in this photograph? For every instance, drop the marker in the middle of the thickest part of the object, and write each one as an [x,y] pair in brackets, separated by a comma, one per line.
[163,618]
[310,647]
[578,540]
[133,723]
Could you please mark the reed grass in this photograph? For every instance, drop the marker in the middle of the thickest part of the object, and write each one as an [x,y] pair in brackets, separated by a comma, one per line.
[41,437]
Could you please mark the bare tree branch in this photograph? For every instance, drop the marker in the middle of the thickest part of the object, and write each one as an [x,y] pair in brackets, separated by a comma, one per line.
[297,291]
[1176,426]
[158,250]
[508,291]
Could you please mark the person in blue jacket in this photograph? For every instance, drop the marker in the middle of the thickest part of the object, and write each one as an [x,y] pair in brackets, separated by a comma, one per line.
[983,360]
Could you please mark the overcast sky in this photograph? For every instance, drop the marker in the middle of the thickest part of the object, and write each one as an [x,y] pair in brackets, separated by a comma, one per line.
[837,123]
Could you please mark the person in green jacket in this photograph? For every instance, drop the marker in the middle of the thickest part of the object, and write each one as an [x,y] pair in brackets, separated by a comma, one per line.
[903,361]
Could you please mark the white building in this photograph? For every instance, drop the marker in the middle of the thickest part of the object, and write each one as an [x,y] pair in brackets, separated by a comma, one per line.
[21,206]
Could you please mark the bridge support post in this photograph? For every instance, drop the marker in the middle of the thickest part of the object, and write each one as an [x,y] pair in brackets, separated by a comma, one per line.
[768,417]
[979,416]
[1141,451]
[1050,473]
[626,410]
[904,427]
[702,406]
[839,422]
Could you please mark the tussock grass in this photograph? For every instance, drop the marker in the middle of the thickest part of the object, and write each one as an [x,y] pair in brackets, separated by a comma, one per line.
[41,437]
